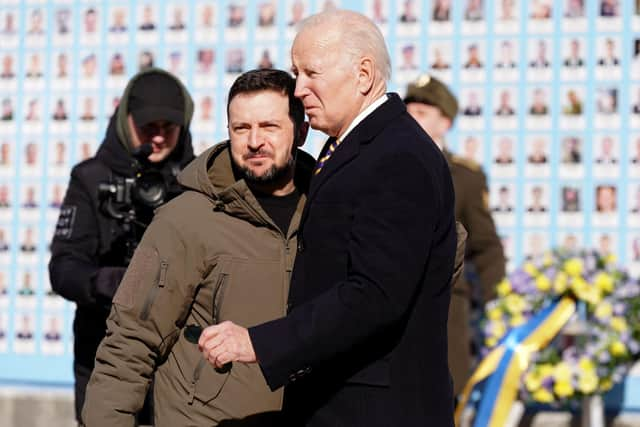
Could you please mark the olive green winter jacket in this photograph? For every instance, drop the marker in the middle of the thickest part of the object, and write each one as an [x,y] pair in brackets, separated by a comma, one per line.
[212,254]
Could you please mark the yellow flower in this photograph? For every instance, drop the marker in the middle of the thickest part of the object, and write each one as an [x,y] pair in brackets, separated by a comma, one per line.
[573,266]
[560,282]
[543,283]
[585,291]
[617,348]
[618,324]
[563,388]
[532,381]
[491,341]
[530,269]
[543,396]
[515,303]
[588,382]
[562,372]
[579,285]
[610,259]
[504,287]
[494,313]
[592,295]
[516,320]
[586,365]
[604,310]
[545,370]
[547,259]
[499,329]
[604,282]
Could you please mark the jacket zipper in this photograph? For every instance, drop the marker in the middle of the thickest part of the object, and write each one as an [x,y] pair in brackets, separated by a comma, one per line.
[162,277]
[288,267]
[218,298]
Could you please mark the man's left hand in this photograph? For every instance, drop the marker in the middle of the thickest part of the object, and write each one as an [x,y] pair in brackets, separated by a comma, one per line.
[226,342]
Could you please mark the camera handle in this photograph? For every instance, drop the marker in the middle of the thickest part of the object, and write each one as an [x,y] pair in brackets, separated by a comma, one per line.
[111,193]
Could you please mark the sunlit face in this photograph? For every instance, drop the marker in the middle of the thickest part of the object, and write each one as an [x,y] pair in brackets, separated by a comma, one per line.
[430,118]
[504,196]
[90,20]
[542,50]
[207,16]
[606,199]
[536,194]
[148,14]
[119,18]
[7,64]
[162,135]
[470,147]
[504,98]
[326,80]
[505,52]
[262,136]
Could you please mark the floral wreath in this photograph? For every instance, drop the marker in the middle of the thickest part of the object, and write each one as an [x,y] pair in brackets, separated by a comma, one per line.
[595,349]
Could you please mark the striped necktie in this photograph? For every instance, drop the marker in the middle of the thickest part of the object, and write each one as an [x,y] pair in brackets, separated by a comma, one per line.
[323,159]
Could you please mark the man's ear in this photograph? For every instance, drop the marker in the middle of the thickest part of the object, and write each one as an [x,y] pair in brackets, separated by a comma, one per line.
[366,74]
[303,131]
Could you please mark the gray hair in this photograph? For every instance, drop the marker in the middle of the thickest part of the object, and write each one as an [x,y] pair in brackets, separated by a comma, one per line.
[359,36]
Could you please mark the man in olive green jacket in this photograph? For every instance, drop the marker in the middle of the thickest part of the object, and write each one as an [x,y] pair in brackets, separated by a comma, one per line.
[223,250]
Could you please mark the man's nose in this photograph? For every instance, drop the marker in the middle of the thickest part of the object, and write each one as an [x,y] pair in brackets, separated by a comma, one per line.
[255,138]
[158,136]
[301,88]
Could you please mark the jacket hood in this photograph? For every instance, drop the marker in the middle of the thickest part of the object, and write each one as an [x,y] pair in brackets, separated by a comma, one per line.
[211,173]
[115,150]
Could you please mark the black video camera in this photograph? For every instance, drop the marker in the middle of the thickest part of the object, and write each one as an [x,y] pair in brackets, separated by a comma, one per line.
[132,200]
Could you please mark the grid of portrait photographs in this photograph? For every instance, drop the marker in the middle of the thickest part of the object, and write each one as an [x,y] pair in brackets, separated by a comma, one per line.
[549,97]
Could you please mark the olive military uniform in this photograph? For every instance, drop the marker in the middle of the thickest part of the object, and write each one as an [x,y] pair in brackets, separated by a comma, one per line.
[484,249]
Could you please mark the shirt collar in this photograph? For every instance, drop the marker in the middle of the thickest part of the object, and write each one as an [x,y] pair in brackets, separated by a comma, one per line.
[363,114]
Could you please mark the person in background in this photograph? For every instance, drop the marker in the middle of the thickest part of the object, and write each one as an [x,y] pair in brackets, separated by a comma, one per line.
[90,245]
[434,107]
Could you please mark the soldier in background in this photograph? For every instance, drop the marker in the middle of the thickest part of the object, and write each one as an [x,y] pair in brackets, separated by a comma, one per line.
[434,107]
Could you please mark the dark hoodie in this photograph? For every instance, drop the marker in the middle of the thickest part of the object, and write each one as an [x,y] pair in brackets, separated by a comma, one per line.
[87,243]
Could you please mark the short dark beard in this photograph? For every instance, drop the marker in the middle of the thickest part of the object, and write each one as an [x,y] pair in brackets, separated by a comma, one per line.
[274,175]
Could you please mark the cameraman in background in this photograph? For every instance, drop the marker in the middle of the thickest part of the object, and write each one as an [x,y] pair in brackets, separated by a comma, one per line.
[110,201]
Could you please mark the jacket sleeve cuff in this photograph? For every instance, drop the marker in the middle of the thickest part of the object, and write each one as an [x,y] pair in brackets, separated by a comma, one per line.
[278,351]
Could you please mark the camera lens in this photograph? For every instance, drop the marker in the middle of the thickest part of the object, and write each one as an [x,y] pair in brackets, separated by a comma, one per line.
[150,189]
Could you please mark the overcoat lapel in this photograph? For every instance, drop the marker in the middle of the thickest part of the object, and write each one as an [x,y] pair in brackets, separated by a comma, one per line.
[349,149]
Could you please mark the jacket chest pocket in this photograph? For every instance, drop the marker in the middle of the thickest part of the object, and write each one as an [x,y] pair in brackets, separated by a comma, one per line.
[249,291]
